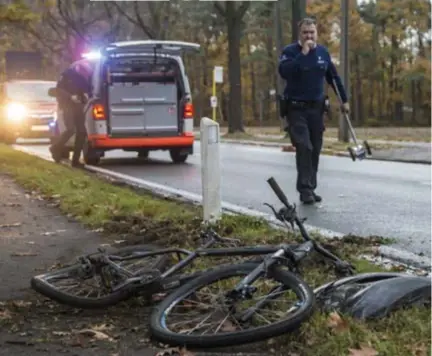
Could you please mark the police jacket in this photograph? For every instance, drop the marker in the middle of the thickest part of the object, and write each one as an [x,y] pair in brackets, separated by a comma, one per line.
[71,84]
[305,75]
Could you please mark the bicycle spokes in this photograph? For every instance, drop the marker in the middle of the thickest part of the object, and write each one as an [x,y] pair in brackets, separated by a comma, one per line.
[216,309]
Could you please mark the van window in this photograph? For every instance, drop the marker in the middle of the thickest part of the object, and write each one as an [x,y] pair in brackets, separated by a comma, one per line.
[137,70]
[29,91]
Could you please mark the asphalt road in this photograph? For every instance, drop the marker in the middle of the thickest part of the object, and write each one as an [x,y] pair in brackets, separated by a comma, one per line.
[363,198]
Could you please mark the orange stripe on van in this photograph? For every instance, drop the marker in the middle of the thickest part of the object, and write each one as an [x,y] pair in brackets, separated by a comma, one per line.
[104,141]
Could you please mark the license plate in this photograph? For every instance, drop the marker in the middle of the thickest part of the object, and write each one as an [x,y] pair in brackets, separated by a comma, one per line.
[40,128]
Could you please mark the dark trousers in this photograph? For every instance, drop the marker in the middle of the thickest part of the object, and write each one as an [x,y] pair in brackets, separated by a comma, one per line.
[74,120]
[306,130]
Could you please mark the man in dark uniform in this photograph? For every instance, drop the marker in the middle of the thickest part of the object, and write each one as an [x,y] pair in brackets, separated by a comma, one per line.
[72,92]
[305,65]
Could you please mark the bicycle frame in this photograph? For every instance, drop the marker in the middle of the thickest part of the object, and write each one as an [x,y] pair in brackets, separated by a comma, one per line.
[283,252]
[204,251]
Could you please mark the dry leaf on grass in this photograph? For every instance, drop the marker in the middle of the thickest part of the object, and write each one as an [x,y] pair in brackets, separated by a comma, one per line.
[11,225]
[175,352]
[102,327]
[420,350]
[335,322]
[60,333]
[5,315]
[363,351]
[23,254]
[12,205]
[21,303]
[228,326]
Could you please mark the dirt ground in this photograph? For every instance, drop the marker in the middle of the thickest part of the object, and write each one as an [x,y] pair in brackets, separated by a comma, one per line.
[34,235]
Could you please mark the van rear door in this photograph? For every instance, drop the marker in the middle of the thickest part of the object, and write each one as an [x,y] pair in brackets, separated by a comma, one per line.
[143,97]
[144,90]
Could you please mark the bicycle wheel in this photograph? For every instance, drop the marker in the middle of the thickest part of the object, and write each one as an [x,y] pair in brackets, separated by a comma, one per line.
[233,321]
[99,294]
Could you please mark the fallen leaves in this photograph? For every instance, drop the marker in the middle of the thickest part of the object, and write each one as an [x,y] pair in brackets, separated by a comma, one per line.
[420,350]
[7,310]
[5,315]
[21,303]
[336,323]
[23,254]
[60,333]
[51,233]
[94,334]
[80,338]
[175,352]
[363,351]
[34,195]
[17,224]
[12,205]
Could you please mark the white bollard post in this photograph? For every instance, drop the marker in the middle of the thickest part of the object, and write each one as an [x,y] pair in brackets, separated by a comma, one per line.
[210,170]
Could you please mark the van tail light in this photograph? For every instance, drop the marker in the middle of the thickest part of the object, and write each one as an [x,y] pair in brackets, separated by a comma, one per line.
[188,111]
[188,115]
[98,112]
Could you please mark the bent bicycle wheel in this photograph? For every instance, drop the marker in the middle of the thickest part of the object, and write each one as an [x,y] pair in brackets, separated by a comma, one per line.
[220,320]
[88,287]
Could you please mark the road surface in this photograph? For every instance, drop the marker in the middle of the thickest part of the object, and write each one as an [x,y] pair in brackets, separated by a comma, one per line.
[363,198]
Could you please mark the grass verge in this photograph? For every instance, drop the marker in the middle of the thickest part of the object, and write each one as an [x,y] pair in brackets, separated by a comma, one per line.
[98,204]
[330,147]
[412,134]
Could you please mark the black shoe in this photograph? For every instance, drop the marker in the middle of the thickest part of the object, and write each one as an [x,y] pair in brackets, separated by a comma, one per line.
[307,198]
[317,197]
[77,164]
[55,154]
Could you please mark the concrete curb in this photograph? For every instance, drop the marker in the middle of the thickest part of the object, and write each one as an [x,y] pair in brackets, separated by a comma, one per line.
[336,153]
[391,253]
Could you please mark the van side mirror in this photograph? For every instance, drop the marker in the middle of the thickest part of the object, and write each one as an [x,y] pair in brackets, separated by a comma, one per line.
[52,92]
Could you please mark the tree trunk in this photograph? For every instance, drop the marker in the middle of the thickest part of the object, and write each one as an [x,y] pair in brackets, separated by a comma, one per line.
[420,98]
[397,104]
[372,86]
[253,82]
[413,103]
[270,71]
[382,98]
[359,94]
[235,115]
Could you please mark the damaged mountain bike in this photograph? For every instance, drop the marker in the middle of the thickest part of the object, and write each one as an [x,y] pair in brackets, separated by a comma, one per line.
[125,272]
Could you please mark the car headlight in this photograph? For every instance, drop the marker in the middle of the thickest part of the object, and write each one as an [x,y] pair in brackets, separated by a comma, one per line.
[15,111]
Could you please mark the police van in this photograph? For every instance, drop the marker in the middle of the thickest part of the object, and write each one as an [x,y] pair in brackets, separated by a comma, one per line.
[141,101]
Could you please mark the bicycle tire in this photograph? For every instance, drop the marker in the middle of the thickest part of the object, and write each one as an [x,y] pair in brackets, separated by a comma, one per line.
[304,312]
[39,284]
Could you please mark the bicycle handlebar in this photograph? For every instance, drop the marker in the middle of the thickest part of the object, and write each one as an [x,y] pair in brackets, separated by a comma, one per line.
[278,191]
[289,215]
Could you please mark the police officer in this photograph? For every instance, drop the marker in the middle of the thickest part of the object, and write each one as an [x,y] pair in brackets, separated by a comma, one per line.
[305,65]
[72,92]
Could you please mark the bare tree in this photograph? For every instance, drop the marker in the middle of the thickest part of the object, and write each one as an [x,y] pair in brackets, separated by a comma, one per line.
[233,15]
